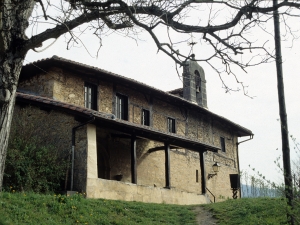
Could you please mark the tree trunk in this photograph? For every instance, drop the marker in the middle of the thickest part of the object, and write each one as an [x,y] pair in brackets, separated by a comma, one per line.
[9,72]
[283,117]
[6,112]
[14,15]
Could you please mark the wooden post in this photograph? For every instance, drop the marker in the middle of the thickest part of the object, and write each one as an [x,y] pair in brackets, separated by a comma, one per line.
[133,160]
[288,179]
[202,167]
[167,165]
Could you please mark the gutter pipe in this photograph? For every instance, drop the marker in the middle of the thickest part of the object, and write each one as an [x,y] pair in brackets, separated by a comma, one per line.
[251,137]
[73,147]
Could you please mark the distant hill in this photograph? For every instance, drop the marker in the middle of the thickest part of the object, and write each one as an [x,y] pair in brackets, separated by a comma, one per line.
[249,191]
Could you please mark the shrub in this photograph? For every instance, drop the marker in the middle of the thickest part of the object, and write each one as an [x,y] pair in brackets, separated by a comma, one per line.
[31,166]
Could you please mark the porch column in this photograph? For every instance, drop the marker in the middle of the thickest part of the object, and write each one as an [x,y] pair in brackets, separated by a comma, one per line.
[133,159]
[92,167]
[167,165]
[202,167]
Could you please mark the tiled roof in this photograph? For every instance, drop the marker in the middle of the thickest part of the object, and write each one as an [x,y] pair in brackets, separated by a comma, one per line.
[40,65]
[176,91]
[110,118]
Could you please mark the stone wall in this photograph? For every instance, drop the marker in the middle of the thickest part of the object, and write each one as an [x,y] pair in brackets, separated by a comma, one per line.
[105,99]
[68,88]
[80,161]
[109,189]
[55,128]
[219,184]
[51,127]
[40,84]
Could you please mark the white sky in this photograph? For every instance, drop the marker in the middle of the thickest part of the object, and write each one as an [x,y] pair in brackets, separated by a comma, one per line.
[142,62]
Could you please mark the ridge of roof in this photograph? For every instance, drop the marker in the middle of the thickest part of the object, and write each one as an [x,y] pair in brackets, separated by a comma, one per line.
[169,94]
[175,91]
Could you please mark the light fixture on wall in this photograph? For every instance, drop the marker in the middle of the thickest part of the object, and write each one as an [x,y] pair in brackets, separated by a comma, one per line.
[216,168]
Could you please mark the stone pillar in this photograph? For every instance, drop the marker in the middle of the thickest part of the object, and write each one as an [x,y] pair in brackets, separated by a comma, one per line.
[92,167]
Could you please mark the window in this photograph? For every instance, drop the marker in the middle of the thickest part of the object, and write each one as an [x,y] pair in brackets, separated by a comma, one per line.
[171,125]
[197,176]
[90,96]
[222,141]
[197,82]
[122,107]
[145,117]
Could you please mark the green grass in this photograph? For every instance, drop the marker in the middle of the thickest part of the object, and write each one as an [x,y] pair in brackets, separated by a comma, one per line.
[250,211]
[30,208]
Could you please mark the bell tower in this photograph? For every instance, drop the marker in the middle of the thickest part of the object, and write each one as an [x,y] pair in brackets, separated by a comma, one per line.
[194,83]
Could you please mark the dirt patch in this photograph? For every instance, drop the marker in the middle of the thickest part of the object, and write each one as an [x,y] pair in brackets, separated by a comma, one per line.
[204,217]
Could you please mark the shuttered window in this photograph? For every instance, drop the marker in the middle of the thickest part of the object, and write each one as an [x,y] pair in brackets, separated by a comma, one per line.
[90,96]
[171,125]
[121,106]
[145,117]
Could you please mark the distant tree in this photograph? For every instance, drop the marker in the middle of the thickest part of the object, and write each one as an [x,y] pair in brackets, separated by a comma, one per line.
[221,24]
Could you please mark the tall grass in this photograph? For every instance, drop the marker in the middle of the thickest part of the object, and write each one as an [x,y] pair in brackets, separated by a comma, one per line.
[31,208]
[258,186]
[250,211]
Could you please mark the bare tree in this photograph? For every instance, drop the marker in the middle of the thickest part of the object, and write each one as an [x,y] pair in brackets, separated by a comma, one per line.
[200,19]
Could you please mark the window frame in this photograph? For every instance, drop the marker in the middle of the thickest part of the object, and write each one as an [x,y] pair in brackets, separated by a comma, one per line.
[172,128]
[121,106]
[223,144]
[90,96]
[145,117]
[197,82]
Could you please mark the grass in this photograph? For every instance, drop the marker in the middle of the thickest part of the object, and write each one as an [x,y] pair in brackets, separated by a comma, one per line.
[30,208]
[250,211]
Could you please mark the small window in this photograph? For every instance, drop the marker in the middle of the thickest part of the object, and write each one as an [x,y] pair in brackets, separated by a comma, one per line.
[171,125]
[222,141]
[90,96]
[146,117]
[197,176]
[122,107]
[198,82]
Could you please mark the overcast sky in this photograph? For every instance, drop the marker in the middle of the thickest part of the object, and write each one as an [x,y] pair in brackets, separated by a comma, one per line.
[259,114]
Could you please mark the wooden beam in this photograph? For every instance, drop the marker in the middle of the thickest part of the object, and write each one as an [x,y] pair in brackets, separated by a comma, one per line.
[133,160]
[160,148]
[202,167]
[167,165]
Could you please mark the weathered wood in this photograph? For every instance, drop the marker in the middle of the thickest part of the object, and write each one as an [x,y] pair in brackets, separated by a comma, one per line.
[202,168]
[167,165]
[133,160]
[288,180]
